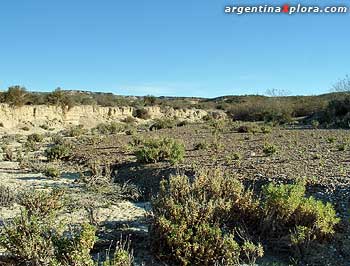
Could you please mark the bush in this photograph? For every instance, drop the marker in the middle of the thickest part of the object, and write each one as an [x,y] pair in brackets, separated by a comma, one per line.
[7,196]
[195,220]
[35,238]
[157,150]
[142,113]
[285,206]
[269,149]
[266,129]
[58,151]
[76,131]
[52,171]
[192,222]
[342,146]
[15,96]
[35,137]
[337,113]
[315,124]
[109,128]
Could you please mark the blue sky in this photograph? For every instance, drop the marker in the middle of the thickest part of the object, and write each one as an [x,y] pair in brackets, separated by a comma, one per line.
[180,48]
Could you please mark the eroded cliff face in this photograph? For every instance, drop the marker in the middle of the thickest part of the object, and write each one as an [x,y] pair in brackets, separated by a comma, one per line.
[87,115]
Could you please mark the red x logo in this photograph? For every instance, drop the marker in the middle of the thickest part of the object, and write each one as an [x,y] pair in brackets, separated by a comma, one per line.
[285,8]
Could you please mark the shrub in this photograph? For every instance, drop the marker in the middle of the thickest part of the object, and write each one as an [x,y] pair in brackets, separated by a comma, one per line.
[315,124]
[76,131]
[41,203]
[192,222]
[109,128]
[163,123]
[337,113]
[142,113]
[15,96]
[35,137]
[285,206]
[7,196]
[157,150]
[342,146]
[35,238]
[266,129]
[58,151]
[195,219]
[52,171]
[25,128]
[331,139]
[269,149]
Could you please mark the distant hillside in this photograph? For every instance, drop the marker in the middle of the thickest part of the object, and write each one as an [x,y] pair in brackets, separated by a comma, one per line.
[244,107]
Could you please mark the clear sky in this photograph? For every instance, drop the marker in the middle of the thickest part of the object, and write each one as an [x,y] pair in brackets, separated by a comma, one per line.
[160,47]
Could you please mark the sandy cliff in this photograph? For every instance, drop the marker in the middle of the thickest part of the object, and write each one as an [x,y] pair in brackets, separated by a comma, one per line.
[87,115]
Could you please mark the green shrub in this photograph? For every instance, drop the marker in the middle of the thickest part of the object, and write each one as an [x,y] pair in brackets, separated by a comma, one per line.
[342,146]
[157,150]
[269,149]
[58,151]
[76,131]
[285,206]
[331,139]
[266,129]
[315,124]
[109,128]
[35,238]
[25,128]
[195,220]
[52,171]
[192,222]
[7,196]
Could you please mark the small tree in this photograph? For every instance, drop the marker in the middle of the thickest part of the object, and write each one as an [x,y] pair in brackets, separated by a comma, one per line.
[343,85]
[15,96]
